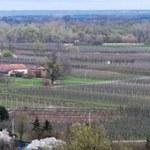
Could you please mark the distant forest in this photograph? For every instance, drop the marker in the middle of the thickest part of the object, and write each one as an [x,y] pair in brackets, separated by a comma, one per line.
[80,29]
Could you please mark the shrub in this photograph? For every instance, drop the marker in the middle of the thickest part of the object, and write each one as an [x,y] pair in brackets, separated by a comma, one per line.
[7,53]
[19,74]
[86,137]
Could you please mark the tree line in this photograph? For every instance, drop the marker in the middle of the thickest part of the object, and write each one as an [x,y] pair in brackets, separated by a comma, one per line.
[61,31]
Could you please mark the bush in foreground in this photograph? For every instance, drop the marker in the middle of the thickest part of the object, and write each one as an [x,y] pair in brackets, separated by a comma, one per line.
[86,136]
[45,144]
[6,142]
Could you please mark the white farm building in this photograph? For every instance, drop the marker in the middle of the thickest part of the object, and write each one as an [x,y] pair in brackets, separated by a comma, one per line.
[14,67]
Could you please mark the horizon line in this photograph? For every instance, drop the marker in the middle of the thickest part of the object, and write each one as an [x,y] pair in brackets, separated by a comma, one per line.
[77,10]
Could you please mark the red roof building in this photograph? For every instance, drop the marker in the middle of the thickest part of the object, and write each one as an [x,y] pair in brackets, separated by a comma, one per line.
[14,67]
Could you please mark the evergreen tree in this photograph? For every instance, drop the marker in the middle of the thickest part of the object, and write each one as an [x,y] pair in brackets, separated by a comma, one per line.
[36,125]
[47,129]
[3,113]
[47,126]
[37,128]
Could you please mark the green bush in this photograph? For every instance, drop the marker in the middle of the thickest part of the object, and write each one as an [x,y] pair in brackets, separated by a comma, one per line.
[7,53]
[19,74]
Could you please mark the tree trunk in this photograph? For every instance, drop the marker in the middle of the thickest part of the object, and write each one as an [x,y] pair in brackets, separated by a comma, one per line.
[52,81]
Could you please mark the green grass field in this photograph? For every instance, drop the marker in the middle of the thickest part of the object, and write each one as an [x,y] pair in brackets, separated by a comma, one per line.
[25,82]
[38,82]
[17,82]
[78,80]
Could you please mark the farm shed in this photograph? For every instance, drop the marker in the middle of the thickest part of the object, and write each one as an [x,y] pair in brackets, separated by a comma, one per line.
[14,67]
[39,71]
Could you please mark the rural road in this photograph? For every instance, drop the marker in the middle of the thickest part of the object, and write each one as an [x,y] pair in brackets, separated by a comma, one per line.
[130,141]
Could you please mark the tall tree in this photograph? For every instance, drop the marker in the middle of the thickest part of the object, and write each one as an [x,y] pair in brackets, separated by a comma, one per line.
[21,124]
[53,67]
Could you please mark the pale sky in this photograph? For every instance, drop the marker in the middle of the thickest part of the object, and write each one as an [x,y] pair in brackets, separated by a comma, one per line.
[74,4]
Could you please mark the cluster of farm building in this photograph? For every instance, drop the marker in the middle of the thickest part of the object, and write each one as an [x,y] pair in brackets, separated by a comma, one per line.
[14,69]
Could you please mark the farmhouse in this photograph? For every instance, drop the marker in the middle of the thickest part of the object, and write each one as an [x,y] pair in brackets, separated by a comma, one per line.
[8,69]
[39,71]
